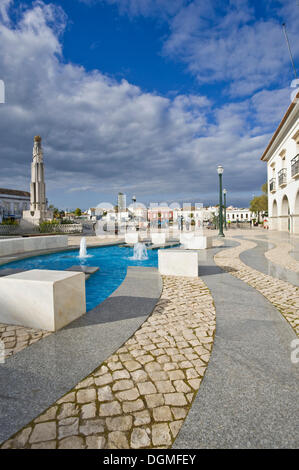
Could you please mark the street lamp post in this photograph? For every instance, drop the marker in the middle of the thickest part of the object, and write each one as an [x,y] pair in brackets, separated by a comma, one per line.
[224,195]
[220,172]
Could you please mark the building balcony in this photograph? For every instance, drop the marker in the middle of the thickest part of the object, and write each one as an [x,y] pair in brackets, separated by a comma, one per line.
[282,177]
[272,185]
[295,166]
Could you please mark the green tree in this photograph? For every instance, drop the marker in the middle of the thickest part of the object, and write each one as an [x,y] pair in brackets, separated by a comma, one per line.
[78,212]
[56,213]
[259,204]
[265,188]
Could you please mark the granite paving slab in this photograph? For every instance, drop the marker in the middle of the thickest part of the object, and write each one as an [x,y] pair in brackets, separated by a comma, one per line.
[9,271]
[84,269]
[249,396]
[255,258]
[33,379]
[138,397]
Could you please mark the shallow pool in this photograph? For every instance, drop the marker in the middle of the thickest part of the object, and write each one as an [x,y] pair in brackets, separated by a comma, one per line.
[112,261]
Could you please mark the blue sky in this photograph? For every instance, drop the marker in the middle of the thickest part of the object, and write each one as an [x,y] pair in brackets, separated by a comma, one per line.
[143,96]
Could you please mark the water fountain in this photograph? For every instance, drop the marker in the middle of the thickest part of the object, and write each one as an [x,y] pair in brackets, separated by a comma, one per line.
[140,252]
[83,251]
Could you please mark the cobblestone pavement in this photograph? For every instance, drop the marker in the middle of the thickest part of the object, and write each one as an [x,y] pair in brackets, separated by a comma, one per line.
[140,396]
[283,295]
[17,338]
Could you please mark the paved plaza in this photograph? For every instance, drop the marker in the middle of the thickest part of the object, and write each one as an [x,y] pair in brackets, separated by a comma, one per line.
[167,361]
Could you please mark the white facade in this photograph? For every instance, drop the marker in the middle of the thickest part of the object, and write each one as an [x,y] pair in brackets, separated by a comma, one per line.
[13,203]
[234,214]
[282,157]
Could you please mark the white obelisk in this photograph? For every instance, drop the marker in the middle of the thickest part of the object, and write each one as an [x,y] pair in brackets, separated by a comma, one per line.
[38,203]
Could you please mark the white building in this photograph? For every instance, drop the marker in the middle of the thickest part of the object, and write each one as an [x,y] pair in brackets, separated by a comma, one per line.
[282,157]
[13,203]
[234,214]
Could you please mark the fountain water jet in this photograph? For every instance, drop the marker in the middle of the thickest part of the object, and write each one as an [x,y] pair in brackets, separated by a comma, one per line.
[140,252]
[83,251]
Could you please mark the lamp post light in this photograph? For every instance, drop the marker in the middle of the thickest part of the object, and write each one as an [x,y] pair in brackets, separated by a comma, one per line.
[224,195]
[220,172]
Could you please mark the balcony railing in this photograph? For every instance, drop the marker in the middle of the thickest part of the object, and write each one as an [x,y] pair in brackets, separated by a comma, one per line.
[295,166]
[272,185]
[282,177]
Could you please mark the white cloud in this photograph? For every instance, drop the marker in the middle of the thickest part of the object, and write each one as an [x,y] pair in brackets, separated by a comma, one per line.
[224,41]
[101,136]
[232,47]
[4,7]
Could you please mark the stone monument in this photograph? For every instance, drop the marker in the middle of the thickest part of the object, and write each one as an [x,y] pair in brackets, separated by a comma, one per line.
[38,203]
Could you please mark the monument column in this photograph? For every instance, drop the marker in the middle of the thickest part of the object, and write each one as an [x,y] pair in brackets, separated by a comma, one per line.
[38,204]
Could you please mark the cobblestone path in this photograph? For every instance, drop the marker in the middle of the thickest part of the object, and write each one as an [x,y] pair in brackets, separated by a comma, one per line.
[140,396]
[283,295]
[17,338]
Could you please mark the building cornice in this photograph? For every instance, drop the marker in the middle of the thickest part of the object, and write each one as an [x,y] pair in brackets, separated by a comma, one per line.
[292,109]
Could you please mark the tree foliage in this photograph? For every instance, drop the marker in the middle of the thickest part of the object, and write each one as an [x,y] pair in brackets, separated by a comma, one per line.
[260,203]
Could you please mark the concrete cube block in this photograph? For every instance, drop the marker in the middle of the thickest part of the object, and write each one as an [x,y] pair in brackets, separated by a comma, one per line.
[158,238]
[185,237]
[178,262]
[199,243]
[131,237]
[42,299]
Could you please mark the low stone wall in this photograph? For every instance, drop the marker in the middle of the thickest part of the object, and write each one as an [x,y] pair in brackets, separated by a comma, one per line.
[9,229]
[61,228]
[20,245]
[69,228]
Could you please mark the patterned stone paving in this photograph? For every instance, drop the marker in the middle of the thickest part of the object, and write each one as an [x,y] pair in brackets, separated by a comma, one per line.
[17,338]
[140,396]
[283,295]
[280,255]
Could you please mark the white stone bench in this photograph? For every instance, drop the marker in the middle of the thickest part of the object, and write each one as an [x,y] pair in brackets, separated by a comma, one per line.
[178,262]
[20,245]
[42,299]
[131,237]
[199,243]
[158,238]
[185,237]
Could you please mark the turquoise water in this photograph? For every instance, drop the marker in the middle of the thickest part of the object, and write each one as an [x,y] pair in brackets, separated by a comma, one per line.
[112,261]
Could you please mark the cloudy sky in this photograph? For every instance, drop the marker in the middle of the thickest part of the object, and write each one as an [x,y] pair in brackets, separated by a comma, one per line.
[146,97]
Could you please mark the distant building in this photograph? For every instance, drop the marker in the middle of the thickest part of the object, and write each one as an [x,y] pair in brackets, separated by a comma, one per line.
[121,202]
[13,203]
[138,211]
[234,214]
[282,157]
[159,213]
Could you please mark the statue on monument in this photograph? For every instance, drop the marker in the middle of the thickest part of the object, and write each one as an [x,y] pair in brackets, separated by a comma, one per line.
[38,203]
